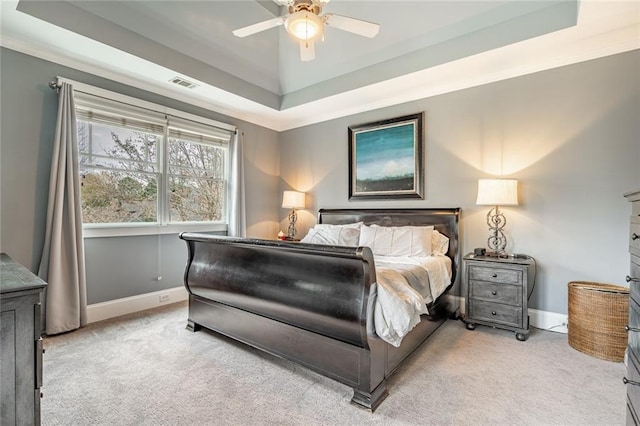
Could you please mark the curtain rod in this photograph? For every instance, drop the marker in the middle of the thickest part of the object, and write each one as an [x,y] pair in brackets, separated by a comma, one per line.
[55,85]
[118,97]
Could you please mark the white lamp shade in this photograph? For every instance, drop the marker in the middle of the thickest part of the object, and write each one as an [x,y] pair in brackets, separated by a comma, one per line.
[293,200]
[497,192]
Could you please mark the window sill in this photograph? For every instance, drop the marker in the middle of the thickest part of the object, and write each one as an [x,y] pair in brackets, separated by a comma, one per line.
[97,231]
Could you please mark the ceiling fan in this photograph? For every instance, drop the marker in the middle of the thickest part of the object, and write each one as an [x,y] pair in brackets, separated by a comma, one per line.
[304,22]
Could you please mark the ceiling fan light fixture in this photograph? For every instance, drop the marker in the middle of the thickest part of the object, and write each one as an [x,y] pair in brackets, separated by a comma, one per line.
[304,25]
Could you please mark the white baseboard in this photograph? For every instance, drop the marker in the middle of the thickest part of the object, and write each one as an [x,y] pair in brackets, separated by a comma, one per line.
[550,321]
[128,305]
[545,320]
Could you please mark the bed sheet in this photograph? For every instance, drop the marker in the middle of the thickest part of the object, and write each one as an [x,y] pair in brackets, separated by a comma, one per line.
[404,286]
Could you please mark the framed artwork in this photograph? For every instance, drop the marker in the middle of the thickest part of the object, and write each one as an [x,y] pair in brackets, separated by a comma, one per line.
[386,158]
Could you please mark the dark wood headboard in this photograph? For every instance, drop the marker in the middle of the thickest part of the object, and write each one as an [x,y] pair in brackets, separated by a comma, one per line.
[444,221]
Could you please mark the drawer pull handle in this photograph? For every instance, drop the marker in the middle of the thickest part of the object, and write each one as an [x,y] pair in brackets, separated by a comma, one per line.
[495,275]
[494,292]
[493,312]
[630,382]
[634,236]
[634,329]
[629,279]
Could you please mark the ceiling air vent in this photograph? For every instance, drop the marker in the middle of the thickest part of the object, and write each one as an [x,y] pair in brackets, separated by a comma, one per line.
[182,82]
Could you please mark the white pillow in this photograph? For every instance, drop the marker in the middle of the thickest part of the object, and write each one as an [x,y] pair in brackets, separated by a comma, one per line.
[439,244]
[333,235]
[397,240]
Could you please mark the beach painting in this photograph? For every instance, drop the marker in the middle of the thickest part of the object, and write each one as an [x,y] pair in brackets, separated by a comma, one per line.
[386,158]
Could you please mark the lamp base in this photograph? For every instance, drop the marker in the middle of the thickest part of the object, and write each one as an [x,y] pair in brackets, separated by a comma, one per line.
[291,231]
[497,241]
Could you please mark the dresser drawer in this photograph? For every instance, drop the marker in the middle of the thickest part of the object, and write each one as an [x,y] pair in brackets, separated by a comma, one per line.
[495,312]
[631,420]
[633,338]
[633,391]
[634,272]
[495,275]
[500,293]
[634,292]
[635,208]
[634,235]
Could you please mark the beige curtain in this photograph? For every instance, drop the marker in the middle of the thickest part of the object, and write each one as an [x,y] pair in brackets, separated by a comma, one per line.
[62,264]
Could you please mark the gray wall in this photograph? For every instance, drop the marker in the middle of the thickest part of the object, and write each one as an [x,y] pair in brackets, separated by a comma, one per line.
[571,136]
[145,259]
[116,267]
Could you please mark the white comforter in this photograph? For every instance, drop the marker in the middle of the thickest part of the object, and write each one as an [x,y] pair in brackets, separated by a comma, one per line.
[404,286]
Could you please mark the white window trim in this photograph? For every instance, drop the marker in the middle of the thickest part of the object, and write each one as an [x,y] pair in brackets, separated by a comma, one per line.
[129,230]
[133,229]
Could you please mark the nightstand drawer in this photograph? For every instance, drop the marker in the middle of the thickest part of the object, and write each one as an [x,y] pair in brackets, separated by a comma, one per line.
[495,275]
[495,312]
[500,293]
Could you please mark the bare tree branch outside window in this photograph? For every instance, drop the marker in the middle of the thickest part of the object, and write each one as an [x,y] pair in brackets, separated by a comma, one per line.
[120,174]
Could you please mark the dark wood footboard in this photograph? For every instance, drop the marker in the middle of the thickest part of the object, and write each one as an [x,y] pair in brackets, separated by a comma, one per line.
[306,303]
[324,290]
[302,302]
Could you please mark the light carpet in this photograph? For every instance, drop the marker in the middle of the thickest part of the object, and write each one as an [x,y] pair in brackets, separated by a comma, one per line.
[147,369]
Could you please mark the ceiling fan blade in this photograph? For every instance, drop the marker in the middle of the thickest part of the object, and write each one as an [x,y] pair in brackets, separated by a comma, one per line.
[356,26]
[307,51]
[260,26]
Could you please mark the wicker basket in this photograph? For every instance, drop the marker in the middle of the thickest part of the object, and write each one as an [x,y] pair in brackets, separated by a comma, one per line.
[598,314]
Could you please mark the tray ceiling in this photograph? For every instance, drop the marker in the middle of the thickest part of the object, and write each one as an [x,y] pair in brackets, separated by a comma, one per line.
[262,74]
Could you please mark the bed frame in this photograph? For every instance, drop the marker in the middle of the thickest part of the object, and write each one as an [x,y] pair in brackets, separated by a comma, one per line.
[307,303]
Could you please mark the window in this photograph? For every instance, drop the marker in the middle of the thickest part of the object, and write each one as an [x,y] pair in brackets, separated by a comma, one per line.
[197,179]
[141,167]
[119,173]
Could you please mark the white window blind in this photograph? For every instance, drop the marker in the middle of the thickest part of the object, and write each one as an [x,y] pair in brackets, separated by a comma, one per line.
[148,166]
[178,126]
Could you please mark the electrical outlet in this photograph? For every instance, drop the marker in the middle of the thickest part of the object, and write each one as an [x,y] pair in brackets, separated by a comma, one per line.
[163,298]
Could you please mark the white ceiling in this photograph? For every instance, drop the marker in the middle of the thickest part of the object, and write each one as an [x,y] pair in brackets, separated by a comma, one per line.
[424,48]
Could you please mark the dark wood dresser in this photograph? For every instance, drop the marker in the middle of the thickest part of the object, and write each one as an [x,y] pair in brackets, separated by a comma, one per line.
[20,344]
[632,379]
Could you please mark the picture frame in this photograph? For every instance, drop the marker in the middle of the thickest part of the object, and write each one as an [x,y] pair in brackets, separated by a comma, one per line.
[386,159]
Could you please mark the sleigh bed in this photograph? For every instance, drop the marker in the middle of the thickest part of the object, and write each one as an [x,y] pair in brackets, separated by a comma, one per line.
[309,303]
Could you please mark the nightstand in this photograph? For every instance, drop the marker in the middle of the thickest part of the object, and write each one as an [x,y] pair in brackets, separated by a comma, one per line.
[497,292]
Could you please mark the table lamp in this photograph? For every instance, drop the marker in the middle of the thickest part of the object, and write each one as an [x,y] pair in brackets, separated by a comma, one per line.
[497,192]
[292,200]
